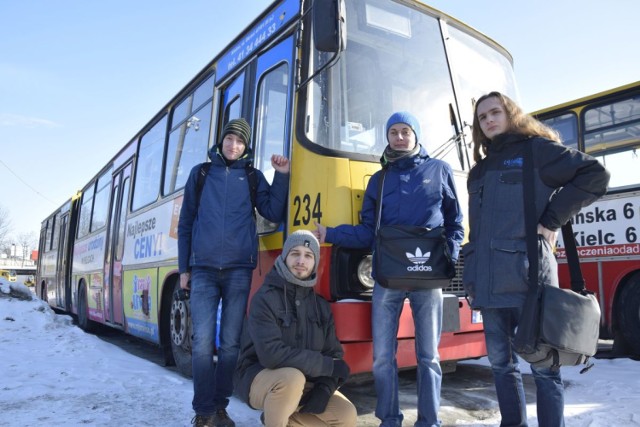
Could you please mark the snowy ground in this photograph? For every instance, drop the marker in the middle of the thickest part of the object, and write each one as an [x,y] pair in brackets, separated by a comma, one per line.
[53,374]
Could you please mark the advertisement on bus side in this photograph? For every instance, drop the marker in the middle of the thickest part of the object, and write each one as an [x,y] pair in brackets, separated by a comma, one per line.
[153,235]
[88,254]
[140,294]
[610,227]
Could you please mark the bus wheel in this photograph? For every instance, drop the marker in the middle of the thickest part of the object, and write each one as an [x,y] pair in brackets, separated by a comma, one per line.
[180,327]
[84,322]
[629,314]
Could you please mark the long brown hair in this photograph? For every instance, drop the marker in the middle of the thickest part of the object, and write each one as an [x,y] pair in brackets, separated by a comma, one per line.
[518,122]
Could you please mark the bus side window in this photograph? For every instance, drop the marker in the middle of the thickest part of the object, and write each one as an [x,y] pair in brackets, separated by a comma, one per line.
[271,121]
[271,118]
[189,136]
[85,212]
[187,147]
[101,203]
[149,165]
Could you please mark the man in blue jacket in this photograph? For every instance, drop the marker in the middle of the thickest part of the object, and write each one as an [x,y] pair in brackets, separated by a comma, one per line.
[417,190]
[217,252]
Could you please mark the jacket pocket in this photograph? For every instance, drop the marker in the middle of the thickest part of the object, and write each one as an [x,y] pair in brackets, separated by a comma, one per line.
[475,198]
[509,266]
[469,273]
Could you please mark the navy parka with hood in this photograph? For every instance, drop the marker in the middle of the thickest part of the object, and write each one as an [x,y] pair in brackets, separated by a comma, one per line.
[222,232]
[496,263]
[417,191]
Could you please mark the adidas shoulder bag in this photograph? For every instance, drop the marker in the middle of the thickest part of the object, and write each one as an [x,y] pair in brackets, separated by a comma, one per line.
[410,257]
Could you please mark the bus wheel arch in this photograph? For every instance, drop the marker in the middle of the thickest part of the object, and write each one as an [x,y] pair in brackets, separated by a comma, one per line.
[179,331]
[84,322]
[628,314]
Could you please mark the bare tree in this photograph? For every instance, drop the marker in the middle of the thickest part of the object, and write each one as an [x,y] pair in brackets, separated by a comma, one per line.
[28,242]
[5,228]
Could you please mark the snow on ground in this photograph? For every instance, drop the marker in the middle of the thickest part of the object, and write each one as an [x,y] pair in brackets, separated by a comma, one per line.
[53,374]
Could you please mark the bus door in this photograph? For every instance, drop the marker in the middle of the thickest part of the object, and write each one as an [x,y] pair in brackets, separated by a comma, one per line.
[113,302]
[63,280]
[267,84]
[272,107]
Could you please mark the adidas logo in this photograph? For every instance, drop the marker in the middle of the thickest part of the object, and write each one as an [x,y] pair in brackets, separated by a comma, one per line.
[418,259]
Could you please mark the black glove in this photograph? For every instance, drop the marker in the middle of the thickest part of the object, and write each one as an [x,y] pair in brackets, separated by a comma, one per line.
[340,370]
[315,400]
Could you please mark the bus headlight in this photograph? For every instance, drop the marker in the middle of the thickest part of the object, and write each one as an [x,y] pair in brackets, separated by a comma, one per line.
[364,272]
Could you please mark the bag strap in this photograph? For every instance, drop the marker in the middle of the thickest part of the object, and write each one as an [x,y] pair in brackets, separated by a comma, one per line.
[577,281]
[530,220]
[379,200]
[531,230]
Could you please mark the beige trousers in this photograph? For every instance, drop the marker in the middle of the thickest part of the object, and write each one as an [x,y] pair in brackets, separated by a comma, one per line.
[278,391]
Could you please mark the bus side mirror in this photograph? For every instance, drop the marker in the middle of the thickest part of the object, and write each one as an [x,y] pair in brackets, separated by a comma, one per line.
[329,25]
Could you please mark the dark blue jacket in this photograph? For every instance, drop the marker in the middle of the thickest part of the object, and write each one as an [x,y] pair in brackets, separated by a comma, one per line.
[496,266]
[222,233]
[417,190]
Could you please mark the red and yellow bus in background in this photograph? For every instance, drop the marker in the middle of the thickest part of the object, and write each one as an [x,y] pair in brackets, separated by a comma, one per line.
[607,233]
[317,81]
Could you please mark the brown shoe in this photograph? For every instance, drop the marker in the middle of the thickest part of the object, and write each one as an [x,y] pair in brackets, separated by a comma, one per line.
[203,421]
[222,419]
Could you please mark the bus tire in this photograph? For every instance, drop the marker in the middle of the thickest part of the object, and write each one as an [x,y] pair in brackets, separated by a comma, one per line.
[629,314]
[180,331]
[84,322]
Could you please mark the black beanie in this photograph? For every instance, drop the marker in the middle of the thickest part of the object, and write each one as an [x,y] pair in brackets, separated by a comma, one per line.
[238,127]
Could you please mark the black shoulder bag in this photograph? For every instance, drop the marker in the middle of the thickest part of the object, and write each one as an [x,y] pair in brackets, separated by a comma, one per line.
[410,257]
[557,327]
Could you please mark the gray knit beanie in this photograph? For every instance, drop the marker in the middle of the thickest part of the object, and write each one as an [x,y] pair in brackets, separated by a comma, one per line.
[238,127]
[299,238]
[302,238]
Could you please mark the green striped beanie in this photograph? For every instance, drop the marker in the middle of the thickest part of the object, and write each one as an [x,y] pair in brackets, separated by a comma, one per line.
[238,127]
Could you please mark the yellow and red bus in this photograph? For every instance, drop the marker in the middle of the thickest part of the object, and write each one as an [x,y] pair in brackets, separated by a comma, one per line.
[317,81]
[607,233]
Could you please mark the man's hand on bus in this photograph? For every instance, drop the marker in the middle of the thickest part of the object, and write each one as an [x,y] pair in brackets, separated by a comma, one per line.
[184,280]
[320,232]
[550,236]
[280,163]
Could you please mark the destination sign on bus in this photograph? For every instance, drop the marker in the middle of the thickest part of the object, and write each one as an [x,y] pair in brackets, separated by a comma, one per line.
[257,36]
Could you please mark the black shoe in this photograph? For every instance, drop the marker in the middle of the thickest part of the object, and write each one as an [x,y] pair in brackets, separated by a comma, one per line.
[202,421]
[221,419]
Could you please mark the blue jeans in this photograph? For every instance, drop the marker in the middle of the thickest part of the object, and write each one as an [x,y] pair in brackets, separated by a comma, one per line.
[213,383]
[499,329]
[427,317]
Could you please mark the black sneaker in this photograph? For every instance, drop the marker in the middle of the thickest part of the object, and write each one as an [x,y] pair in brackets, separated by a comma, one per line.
[221,419]
[203,421]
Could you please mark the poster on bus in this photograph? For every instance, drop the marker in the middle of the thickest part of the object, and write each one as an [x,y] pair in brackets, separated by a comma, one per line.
[609,227]
[152,236]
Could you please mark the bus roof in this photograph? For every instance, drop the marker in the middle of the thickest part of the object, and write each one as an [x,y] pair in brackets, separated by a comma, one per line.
[587,99]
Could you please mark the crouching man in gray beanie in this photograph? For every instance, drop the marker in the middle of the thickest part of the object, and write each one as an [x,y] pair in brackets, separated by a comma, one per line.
[290,363]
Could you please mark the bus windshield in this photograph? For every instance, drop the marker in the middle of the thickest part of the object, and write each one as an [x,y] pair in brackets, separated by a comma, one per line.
[395,59]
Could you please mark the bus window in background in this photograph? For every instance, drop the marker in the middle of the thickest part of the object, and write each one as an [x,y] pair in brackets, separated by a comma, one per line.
[607,126]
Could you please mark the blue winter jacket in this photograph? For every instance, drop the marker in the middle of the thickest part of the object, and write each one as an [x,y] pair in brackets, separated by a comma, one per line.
[222,232]
[417,190]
